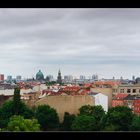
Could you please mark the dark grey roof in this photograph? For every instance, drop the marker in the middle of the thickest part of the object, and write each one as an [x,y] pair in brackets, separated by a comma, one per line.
[130,97]
[93,93]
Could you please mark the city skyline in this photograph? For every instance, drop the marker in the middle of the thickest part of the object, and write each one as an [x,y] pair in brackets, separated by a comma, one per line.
[76,41]
[73,76]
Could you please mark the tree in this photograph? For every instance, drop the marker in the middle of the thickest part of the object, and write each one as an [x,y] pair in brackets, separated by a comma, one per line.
[25,111]
[67,122]
[86,110]
[111,127]
[135,126]
[96,111]
[84,123]
[6,111]
[47,117]
[120,117]
[19,107]
[14,107]
[16,100]
[18,123]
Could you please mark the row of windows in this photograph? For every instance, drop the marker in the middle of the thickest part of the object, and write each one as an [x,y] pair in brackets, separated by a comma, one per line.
[137,104]
[137,108]
[115,90]
[130,90]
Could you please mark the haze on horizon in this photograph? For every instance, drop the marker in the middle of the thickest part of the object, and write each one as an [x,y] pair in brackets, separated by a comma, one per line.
[76,41]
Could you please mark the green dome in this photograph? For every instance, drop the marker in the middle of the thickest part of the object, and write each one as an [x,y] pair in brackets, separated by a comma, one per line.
[39,75]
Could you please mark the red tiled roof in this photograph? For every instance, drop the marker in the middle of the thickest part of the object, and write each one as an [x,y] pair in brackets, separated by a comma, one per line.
[87,84]
[68,88]
[112,83]
[117,103]
[121,96]
[52,93]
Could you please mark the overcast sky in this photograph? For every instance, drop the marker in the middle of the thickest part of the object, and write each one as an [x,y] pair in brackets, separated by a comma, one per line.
[78,41]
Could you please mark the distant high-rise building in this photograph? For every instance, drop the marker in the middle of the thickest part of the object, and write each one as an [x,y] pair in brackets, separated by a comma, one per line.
[121,78]
[68,78]
[1,77]
[82,77]
[9,78]
[59,78]
[49,78]
[94,77]
[18,78]
[113,78]
[133,78]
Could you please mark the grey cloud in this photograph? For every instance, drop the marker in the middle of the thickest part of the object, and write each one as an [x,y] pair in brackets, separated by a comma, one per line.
[71,39]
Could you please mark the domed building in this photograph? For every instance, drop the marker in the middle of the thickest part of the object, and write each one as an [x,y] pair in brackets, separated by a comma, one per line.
[39,76]
[137,80]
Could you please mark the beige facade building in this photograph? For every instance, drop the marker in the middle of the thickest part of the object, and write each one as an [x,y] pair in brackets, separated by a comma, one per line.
[129,89]
[66,103]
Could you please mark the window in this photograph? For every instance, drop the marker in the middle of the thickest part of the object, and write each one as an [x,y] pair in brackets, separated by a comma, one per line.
[128,90]
[134,90]
[121,90]
[115,90]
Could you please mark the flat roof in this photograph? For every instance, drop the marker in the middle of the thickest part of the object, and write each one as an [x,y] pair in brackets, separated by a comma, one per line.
[137,85]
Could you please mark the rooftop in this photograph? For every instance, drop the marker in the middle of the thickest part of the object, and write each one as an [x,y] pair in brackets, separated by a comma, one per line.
[129,85]
[120,96]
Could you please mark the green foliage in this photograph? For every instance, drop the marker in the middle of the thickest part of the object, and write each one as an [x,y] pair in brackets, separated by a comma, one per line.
[111,127]
[25,111]
[16,100]
[96,111]
[67,122]
[86,110]
[8,110]
[47,117]
[18,123]
[51,83]
[120,117]
[84,123]
[135,126]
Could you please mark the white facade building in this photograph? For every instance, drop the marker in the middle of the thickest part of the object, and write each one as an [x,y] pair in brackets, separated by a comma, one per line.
[101,99]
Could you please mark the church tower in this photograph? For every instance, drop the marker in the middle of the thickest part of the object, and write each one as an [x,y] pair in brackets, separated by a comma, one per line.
[59,78]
